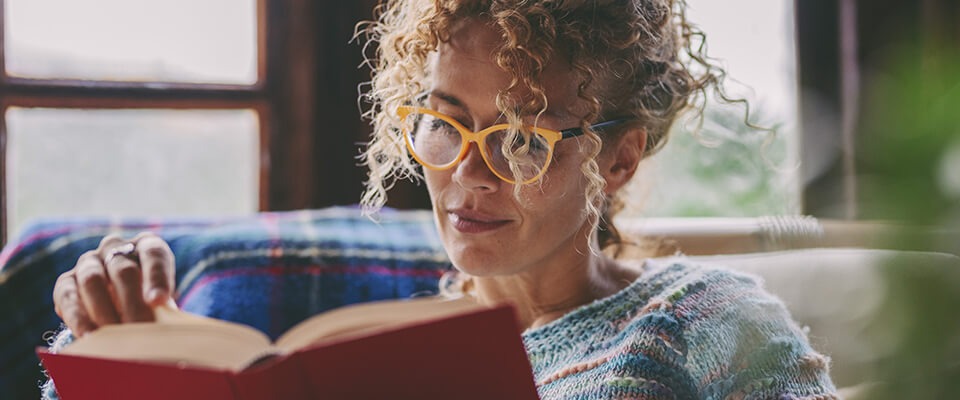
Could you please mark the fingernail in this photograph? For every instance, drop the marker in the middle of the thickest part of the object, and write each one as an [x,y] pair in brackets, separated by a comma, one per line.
[156,296]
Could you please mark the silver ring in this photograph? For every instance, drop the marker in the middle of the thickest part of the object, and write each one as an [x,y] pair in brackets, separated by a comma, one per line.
[125,250]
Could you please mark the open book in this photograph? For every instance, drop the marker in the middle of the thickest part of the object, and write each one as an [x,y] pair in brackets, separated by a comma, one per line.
[423,348]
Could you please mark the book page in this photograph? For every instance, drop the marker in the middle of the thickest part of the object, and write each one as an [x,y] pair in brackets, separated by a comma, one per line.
[179,338]
[367,318]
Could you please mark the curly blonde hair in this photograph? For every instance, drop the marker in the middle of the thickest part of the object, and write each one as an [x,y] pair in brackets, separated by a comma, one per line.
[640,59]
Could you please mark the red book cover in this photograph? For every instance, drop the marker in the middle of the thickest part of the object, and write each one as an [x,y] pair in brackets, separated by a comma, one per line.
[477,355]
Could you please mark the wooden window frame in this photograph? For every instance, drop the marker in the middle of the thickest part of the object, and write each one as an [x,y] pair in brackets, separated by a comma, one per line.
[282,97]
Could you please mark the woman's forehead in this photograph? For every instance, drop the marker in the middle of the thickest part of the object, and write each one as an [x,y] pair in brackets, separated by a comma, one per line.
[466,67]
[474,36]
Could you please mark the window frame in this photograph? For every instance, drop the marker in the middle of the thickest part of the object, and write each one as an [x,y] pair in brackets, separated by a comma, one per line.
[284,68]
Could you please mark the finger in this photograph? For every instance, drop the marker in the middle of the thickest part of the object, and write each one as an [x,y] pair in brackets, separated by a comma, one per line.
[66,302]
[126,278]
[108,242]
[158,268]
[93,288]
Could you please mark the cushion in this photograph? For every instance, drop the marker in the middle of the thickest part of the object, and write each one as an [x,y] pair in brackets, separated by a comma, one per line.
[270,271]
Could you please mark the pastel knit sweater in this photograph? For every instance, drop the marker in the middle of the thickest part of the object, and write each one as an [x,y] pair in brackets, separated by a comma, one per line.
[680,331]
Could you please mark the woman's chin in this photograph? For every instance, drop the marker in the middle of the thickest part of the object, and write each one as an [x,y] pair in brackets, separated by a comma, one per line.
[476,269]
[478,264]
[480,255]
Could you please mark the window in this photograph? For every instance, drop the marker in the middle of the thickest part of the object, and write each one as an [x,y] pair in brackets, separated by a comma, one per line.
[729,169]
[186,41]
[139,162]
[133,107]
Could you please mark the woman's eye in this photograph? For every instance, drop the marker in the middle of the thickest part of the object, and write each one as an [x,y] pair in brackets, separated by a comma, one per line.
[441,126]
[536,143]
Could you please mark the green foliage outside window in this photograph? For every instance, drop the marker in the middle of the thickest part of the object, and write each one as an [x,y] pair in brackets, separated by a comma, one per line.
[725,168]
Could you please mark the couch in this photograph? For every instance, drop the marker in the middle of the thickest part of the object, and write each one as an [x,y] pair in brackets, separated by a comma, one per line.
[291,265]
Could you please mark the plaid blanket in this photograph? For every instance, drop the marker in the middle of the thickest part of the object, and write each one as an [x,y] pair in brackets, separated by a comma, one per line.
[268,271]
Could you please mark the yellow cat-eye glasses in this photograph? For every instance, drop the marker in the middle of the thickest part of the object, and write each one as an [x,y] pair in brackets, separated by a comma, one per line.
[439,142]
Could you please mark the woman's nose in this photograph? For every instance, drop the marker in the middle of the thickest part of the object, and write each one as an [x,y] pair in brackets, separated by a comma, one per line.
[472,172]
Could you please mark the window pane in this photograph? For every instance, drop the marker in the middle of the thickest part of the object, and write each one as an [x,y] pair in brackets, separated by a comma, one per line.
[208,41]
[729,169]
[64,162]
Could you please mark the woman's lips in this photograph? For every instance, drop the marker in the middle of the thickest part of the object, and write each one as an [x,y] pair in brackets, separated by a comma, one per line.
[469,222]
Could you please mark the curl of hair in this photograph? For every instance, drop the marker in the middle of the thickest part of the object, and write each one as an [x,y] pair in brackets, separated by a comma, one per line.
[639,59]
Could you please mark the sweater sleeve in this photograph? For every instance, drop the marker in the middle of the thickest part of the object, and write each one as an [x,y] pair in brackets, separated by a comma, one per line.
[59,341]
[743,344]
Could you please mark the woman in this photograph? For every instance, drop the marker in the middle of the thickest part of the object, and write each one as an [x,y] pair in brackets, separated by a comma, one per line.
[527,118]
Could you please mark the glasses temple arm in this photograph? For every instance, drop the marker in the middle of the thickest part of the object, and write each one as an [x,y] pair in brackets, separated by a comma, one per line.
[573,132]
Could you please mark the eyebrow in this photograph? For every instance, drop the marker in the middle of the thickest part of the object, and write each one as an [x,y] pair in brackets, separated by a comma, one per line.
[449,98]
[456,102]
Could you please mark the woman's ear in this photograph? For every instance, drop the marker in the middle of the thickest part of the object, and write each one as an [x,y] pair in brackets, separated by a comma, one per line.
[622,157]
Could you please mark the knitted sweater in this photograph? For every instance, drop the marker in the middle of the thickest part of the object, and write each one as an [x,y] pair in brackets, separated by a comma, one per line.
[680,331]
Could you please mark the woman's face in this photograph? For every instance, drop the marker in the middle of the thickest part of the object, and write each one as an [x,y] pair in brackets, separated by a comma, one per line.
[486,230]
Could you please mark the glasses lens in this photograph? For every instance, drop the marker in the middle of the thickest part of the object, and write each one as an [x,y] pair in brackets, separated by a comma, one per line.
[434,141]
[528,154]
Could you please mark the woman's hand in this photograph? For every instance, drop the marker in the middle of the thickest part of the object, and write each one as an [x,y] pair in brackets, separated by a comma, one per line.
[121,281]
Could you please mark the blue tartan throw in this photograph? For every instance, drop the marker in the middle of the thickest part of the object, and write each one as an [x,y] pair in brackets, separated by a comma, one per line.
[269,271]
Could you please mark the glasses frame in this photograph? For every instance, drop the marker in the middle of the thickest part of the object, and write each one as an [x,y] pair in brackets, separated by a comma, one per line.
[468,136]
